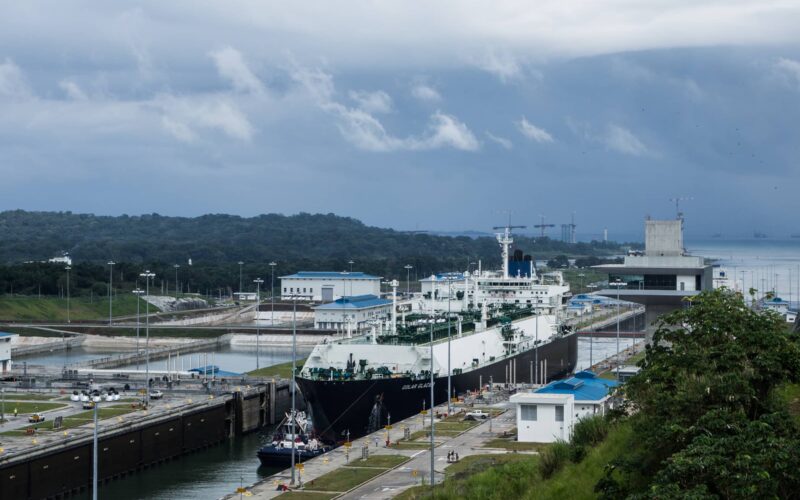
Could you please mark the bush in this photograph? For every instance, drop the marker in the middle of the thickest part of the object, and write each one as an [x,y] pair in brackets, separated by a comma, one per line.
[554,457]
[590,431]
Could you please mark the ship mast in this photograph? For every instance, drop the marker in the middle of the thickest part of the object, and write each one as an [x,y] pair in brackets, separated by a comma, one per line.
[505,241]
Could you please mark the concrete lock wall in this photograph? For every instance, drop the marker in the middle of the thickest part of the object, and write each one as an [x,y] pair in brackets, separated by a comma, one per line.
[64,469]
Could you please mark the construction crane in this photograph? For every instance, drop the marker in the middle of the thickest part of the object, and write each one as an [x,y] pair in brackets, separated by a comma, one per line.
[543,226]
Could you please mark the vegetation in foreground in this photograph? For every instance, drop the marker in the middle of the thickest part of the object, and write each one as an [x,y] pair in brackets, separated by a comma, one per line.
[713,414]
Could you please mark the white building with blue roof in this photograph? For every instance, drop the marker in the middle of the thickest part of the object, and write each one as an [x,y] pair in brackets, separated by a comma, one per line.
[5,351]
[350,314]
[327,286]
[549,413]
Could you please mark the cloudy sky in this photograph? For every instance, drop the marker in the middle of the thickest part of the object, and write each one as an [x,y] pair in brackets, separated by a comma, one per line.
[432,115]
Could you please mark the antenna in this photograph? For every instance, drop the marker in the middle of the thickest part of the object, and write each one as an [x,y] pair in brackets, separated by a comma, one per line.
[678,200]
[542,226]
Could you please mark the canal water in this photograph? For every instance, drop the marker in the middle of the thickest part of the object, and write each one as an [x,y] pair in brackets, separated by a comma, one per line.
[236,359]
[208,474]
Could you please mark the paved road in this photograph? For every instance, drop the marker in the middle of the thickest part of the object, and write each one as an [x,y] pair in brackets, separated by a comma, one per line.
[393,483]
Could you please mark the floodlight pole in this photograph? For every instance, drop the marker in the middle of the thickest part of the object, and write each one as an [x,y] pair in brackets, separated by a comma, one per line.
[258,282]
[147,275]
[94,453]
[272,293]
[110,290]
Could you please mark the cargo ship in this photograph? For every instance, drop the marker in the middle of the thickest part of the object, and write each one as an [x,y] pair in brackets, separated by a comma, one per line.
[505,330]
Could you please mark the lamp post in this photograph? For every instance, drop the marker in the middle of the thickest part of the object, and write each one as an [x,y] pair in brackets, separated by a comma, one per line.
[272,293]
[138,293]
[147,275]
[258,282]
[294,357]
[449,300]
[176,266]
[433,404]
[94,453]
[408,268]
[110,290]
[68,269]
[351,262]
[240,278]
[581,276]
[617,283]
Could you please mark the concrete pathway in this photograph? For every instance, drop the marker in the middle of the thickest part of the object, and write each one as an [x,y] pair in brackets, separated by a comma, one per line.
[393,481]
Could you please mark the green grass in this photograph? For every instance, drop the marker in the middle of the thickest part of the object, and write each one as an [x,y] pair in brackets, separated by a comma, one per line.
[282,370]
[379,461]
[75,420]
[575,281]
[512,445]
[55,309]
[308,495]
[32,406]
[22,396]
[517,476]
[342,479]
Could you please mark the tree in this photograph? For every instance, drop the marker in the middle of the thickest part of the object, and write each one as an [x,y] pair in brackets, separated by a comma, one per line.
[706,419]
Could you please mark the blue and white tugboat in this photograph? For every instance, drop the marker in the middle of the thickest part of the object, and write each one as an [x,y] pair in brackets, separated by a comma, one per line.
[306,445]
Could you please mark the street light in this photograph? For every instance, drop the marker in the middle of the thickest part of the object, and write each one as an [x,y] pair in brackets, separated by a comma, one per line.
[138,293]
[351,262]
[449,300]
[408,268]
[147,275]
[294,358]
[272,293]
[581,276]
[433,404]
[258,282]
[176,266]
[68,269]
[617,283]
[110,289]
[240,278]
[94,453]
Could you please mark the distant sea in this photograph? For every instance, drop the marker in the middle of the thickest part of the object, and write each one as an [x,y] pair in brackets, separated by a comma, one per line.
[764,264]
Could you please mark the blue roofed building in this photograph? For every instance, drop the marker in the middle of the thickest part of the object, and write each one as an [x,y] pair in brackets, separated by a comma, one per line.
[327,286]
[549,413]
[347,314]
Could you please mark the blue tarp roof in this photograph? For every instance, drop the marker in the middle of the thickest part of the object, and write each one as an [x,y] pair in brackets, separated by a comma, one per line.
[355,302]
[584,386]
[332,274]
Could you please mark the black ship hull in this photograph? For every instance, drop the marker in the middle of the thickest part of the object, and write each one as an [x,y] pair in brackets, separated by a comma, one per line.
[338,407]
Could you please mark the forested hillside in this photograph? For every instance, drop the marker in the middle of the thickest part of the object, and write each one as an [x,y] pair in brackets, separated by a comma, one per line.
[219,238]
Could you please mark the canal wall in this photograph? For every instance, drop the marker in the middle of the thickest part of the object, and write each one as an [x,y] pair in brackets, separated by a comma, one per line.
[62,467]
[160,353]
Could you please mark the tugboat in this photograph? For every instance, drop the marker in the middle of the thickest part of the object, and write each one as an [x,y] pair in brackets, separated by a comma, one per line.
[306,445]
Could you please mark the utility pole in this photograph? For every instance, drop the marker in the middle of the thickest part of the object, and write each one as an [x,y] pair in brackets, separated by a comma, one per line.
[433,405]
[110,290]
[408,268]
[240,279]
[176,266]
[272,293]
[68,269]
[94,453]
[258,282]
[147,275]
[138,293]
[294,361]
